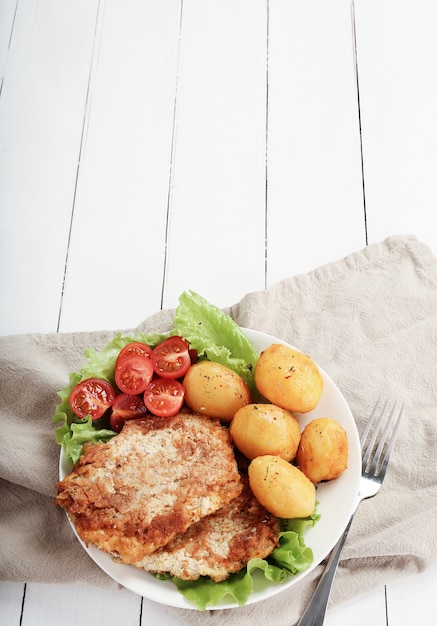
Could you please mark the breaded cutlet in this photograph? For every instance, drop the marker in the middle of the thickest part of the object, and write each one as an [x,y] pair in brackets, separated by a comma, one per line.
[219,544]
[157,477]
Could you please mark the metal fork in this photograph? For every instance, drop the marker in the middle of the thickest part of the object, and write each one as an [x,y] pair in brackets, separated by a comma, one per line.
[372,474]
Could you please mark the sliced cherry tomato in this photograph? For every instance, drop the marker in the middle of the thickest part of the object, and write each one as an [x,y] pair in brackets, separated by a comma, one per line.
[133,374]
[164,397]
[194,355]
[135,347]
[129,406]
[126,407]
[171,358]
[116,423]
[92,396]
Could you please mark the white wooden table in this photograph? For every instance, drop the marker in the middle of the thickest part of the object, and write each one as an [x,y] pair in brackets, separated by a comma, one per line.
[147,147]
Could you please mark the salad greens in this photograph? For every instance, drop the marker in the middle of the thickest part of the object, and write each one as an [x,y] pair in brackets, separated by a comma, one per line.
[72,432]
[216,337]
[208,329]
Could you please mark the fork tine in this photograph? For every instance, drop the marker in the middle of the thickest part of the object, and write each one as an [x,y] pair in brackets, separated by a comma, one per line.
[383,438]
[375,432]
[383,468]
[371,465]
[368,425]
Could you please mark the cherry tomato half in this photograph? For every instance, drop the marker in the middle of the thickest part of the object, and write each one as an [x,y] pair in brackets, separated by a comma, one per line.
[126,407]
[135,347]
[164,397]
[171,358]
[92,396]
[133,373]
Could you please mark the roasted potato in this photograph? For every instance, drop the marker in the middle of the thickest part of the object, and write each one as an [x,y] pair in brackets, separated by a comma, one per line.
[215,390]
[322,453]
[259,429]
[281,487]
[288,378]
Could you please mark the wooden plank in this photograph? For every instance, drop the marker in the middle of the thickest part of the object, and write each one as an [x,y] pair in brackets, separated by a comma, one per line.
[370,608]
[314,167]
[153,613]
[74,605]
[397,49]
[218,174]
[412,600]
[41,115]
[11,600]
[116,253]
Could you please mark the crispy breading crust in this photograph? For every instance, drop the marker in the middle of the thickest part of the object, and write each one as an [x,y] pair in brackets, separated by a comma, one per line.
[219,544]
[132,495]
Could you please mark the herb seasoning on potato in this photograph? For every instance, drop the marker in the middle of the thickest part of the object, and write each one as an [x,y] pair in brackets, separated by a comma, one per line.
[215,390]
[288,378]
[259,429]
[281,487]
[323,450]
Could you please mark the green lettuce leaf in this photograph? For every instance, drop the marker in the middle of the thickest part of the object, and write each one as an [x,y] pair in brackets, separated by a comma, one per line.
[72,432]
[299,524]
[205,592]
[72,435]
[215,336]
[101,363]
[292,555]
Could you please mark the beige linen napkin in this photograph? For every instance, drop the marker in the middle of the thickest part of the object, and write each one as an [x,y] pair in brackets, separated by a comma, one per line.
[369,320]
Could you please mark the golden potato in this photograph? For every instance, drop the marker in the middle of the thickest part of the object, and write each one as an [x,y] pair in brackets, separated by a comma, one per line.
[323,450]
[288,378]
[215,390]
[281,487]
[259,429]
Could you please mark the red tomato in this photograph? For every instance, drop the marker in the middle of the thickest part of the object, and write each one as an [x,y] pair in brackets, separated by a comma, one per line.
[92,396]
[129,406]
[194,356]
[164,397]
[135,347]
[133,373]
[171,358]
[126,407]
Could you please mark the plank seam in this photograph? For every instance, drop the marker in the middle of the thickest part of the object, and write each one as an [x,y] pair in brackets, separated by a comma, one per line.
[386,605]
[140,621]
[172,150]
[357,85]
[9,43]
[76,182]
[12,25]
[23,599]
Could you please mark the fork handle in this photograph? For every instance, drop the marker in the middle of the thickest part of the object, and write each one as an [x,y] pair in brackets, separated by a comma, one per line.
[314,613]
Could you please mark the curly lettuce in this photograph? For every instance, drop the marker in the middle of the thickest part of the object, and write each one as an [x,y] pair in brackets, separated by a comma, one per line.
[215,336]
[73,432]
[208,329]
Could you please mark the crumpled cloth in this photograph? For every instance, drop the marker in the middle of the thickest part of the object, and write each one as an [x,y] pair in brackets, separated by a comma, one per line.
[369,320]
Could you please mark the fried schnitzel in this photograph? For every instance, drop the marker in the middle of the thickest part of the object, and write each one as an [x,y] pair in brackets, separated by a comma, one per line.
[219,544]
[133,494]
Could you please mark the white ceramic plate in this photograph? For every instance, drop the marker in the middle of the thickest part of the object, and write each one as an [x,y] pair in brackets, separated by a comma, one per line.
[337,500]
